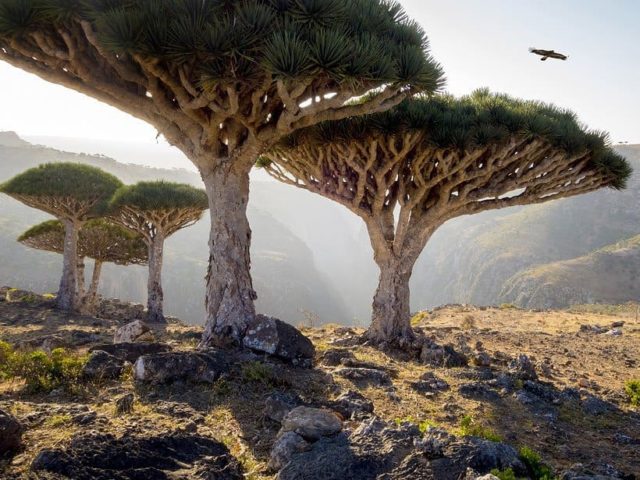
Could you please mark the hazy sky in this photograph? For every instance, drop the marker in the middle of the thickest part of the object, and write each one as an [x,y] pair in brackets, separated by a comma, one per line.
[479,42]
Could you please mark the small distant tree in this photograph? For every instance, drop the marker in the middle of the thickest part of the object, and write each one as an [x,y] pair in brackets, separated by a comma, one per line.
[73,193]
[223,81]
[98,239]
[407,171]
[156,210]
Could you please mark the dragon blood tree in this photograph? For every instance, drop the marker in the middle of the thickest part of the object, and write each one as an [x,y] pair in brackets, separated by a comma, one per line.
[223,81]
[156,210]
[407,171]
[72,193]
[98,239]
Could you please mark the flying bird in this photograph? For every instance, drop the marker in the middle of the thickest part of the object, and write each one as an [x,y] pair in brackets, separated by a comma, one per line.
[548,54]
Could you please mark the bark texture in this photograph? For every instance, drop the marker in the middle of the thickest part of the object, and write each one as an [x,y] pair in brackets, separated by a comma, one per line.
[90,300]
[230,294]
[81,282]
[67,293]
[154,283]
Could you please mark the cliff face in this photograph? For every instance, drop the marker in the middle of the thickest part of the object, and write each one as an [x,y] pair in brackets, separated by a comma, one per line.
[609,275]
[473,259]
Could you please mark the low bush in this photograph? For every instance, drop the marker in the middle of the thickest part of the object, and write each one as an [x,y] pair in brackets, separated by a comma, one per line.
[41,371]
[537,469]
[504,474]
[632,387]
[423,425]
[470,428]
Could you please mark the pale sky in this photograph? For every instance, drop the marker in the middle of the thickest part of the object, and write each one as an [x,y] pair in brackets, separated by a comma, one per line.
[479,42]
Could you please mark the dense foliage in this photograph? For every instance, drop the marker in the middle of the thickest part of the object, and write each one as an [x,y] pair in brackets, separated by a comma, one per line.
[159,196]
[98,239]
[473,121]
[64,180]
[344,40]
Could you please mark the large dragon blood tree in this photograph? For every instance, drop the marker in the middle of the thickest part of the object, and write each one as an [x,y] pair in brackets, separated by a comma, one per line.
[155,211]
[223,81]
[407,171]
[72,193]
[98,239]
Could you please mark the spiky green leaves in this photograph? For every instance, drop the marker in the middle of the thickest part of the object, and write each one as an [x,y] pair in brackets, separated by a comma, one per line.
[476,120]
[345,40]
[148,196]
[98,239]
[75,181]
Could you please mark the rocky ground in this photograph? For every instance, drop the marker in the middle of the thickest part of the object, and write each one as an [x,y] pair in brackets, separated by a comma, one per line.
[488,382]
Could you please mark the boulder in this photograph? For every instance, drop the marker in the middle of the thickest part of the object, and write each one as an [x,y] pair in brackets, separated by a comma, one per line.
[442,356]
[168,367]
[10,432]
[277,338]
[132,351]
[99,456]
[352,404]
[595,471]
[311,423]
[130,332]
[522,368]
[279,404]
[102,366]
[335,356]
[429,383]
[364,375]
[285,446]
[482,359]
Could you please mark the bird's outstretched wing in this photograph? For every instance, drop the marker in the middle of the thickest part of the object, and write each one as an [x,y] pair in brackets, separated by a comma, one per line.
[545,54]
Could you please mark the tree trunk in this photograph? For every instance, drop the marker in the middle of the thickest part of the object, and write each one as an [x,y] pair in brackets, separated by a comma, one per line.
[154,283]
[80,270]
[67,293]
[391,317]
[230,293]
[91,298]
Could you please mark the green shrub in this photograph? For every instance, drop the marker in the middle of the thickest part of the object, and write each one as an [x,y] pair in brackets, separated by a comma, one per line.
[504,474]
[469,428]
[537,469]
[423,425]
[632,387]
[41,372]
[258,372]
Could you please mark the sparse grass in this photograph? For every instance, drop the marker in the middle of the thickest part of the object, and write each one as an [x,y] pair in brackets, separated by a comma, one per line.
[470,428]
[58,421]
[258,372]
[632,388]
[423,425]
[508,306]
[468,322]
[418,318]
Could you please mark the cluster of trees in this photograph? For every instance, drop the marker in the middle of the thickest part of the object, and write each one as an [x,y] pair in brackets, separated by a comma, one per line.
[100,218]
[302,86]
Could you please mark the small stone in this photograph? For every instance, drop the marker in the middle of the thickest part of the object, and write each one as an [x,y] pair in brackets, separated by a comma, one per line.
[311,423]
[614,332]
[523,368]
[124,404]
[10,432]
[364,375]
[334,357]
[130,332]
[352,404]
[482,359]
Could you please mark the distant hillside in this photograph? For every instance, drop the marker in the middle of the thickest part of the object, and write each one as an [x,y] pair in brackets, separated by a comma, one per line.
[285,274]
[608,275]
[472,259]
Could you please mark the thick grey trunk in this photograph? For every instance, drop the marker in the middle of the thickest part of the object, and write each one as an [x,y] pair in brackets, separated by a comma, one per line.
[391,317]
[80,273]
[90,300]
[154,283]
[230,293]
[67,293]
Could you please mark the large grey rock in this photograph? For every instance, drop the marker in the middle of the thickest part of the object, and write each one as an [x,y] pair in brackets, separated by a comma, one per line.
[285,446]
[132,351]
[131,332]
[442,356]
[10,432]
[311,423]
[277,338]
[102,366]
[168,367]
[381,450]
